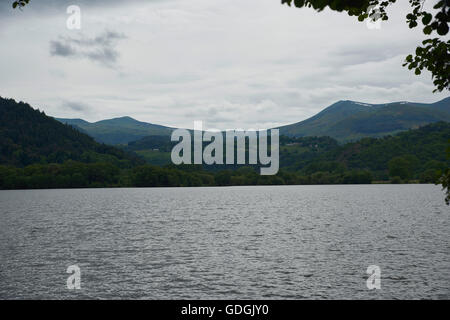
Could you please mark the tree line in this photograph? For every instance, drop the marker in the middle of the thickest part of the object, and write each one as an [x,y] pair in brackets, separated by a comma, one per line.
[72,174]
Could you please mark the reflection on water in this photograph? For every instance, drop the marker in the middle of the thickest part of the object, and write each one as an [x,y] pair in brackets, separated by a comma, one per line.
[287,242]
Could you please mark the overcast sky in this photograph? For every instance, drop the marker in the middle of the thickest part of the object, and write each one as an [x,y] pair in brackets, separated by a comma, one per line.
[230,63]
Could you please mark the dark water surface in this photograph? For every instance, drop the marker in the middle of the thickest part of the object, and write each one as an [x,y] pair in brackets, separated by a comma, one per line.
[288,242]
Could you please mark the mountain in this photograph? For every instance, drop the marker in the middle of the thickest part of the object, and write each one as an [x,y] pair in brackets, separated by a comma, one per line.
[28,136]
[118,130]
[350,120]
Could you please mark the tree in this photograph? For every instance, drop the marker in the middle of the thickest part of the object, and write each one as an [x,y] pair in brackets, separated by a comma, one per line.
[445,179]
[400,167]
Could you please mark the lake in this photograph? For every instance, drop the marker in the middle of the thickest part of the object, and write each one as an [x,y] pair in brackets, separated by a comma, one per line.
[280,242]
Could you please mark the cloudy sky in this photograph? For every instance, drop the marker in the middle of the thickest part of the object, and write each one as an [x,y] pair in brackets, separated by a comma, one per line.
[230,63]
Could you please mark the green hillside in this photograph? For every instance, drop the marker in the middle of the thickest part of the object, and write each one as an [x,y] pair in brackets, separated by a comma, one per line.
[422,152]
[28,136]
[118,130]
[350,121]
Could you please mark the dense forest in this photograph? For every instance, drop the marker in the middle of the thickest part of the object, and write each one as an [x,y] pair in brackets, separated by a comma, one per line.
[415,154]
[28,136]
[40,152]
[83,175]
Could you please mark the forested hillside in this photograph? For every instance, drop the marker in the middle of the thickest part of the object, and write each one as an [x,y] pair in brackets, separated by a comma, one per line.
[28,136]
[414,154]
[420,151]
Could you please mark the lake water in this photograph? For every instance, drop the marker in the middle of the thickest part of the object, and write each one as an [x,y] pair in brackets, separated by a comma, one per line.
[286,242]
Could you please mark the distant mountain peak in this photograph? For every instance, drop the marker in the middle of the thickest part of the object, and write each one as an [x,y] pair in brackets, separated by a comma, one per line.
[349,102]
[120,130]
[125,118]
[348,120]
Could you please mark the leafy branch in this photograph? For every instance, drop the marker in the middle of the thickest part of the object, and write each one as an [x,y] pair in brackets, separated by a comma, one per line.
[20,3]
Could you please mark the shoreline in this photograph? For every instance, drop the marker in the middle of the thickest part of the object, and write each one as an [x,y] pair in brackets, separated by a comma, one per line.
[228,186]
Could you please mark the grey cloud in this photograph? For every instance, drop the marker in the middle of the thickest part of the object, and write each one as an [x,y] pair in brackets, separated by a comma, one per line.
[76,106]
[105,39]
[58,48]
[360,55]
[100,49]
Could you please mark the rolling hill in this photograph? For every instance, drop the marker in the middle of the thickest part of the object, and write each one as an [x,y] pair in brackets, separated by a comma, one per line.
[350,120]
[118,130]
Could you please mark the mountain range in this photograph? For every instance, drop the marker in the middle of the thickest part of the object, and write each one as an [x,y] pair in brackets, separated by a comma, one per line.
[344,121]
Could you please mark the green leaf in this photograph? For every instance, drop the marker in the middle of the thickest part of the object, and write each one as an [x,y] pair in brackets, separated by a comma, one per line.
[439,4]
[442,30]
[299,3]
[427,30]
[413,24]
[427,19]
